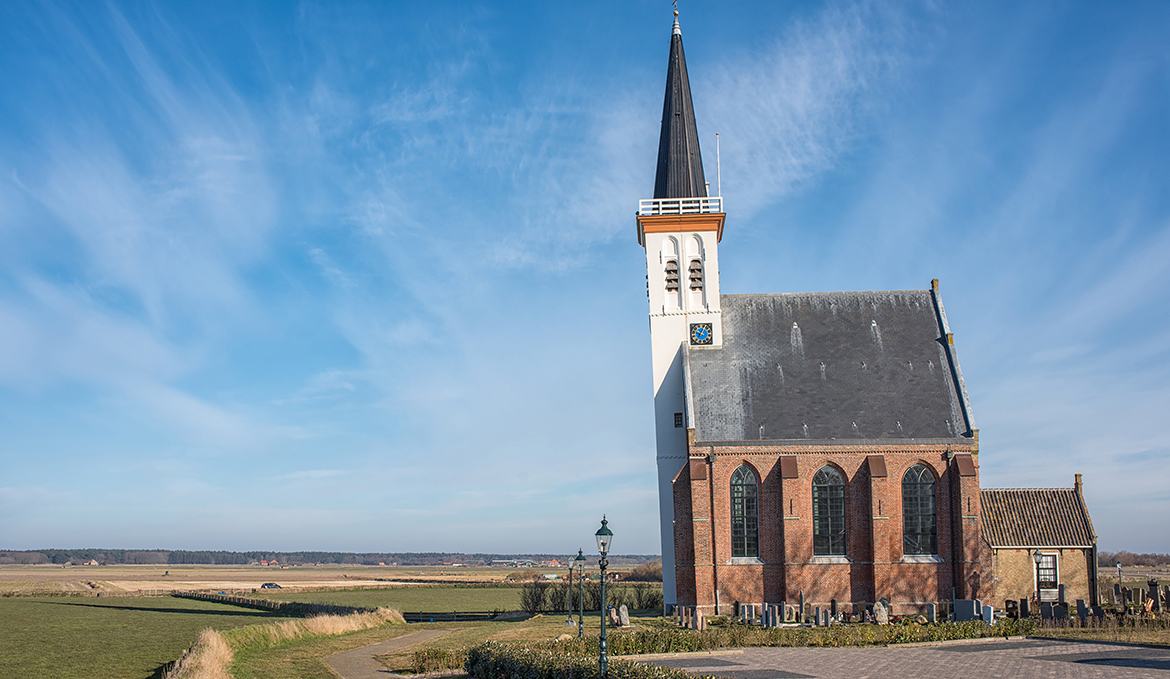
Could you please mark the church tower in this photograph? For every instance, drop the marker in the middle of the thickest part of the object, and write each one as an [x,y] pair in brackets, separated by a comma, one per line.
[680,228]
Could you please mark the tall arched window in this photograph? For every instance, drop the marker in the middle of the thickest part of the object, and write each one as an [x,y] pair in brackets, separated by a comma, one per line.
[828,513]
[919,512]
[745,533]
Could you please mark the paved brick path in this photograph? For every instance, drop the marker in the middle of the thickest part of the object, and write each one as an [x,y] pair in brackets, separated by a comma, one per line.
[1017,659]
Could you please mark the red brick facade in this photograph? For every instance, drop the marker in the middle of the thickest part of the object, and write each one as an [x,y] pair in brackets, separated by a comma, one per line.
[874,565]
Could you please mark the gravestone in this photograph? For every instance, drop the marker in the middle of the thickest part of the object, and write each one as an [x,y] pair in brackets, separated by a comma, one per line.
[932,613]
[1025,608]
[1046,610]
[1098,613]
[702,622]
[989,615]
[624,616]
[816,616]
[833,605]
[1060,594]
[613,615]
[1082,611]
[965,609]
[826,619]
[1153,584]
[1126,595]
[1011,608]
[1060,611]
[784,612]
[800,614]
[1117,592]
[880,615]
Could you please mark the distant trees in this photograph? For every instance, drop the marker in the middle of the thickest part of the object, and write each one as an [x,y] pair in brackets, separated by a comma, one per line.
[543,596]
[1108,559]
[647,572]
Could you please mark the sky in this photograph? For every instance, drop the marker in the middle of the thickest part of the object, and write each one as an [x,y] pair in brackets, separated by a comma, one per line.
[365,276]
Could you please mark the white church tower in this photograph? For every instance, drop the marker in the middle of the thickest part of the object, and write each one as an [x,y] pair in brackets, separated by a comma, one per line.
[680,228]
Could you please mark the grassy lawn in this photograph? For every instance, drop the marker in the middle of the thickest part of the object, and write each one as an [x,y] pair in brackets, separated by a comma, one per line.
[410,598]
[1147,634]
[85,637]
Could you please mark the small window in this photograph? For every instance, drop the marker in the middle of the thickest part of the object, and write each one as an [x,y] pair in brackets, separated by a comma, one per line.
[678,421]
[828,513]
[744,513]
[671,275]
[695,274]
[1046,572]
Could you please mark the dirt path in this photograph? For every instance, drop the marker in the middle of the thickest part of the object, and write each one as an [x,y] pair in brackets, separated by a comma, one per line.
[360,664]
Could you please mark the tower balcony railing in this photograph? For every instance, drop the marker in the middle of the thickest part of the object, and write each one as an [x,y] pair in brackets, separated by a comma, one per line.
[680,206]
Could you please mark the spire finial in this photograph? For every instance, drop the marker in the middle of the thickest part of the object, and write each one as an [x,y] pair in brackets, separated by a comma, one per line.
[677,30]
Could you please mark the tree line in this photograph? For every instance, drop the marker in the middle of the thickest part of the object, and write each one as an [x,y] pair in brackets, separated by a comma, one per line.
[224,557]
[1109,559]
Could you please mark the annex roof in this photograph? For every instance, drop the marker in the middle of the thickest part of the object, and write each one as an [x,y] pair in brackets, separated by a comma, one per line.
[829,365]
[680,165]
[1036,517]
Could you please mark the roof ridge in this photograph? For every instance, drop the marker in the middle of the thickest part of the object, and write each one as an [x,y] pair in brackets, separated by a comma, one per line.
[821,292]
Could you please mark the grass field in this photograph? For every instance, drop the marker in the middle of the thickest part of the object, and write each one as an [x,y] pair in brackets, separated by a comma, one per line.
[88,637]
[410,598]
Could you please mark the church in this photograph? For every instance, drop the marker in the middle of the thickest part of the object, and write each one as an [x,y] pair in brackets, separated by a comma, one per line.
[813,447]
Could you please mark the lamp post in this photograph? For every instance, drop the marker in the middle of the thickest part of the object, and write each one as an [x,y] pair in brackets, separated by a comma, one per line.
[579,562]
[1037,557]
[604,537]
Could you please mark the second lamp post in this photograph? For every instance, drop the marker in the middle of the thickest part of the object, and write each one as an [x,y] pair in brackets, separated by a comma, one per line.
[604,536]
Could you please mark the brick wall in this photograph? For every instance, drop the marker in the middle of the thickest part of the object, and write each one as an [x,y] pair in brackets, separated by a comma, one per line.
[1015,573]
[874,566]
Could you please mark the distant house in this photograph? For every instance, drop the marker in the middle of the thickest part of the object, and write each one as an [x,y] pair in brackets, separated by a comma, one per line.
[92,562]
[1019,523]
[263,562]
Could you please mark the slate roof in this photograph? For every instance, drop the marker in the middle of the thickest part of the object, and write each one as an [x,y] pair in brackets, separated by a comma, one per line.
[1036,517]
[680,165]
[833,365]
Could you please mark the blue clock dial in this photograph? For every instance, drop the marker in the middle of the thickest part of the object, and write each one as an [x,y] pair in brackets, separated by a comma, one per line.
[701,333]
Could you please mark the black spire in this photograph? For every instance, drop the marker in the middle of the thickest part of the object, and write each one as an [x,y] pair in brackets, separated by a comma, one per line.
[680,166]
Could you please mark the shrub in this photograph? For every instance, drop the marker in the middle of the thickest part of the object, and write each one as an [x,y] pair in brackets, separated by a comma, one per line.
[647,572]
[494,660]
[534,596]
[437,659]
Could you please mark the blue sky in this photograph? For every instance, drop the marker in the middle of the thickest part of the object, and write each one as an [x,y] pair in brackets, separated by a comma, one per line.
[365,276]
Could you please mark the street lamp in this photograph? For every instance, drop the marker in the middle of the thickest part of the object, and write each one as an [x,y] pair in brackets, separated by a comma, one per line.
[579,562]
[604,537]
[1037,557]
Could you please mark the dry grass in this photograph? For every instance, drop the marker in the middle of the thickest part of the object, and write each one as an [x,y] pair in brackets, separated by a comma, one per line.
[319,626]
[208,658]
[212,653]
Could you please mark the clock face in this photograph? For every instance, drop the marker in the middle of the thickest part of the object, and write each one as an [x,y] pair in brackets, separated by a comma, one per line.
[701,333]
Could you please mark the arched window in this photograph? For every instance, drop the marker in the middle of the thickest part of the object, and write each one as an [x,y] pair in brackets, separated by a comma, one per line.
[919,512]
[828,513]
[745,513]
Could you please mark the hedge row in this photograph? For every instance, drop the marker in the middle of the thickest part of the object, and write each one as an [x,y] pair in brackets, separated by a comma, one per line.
[577,658]
[494,659]
[679,640]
